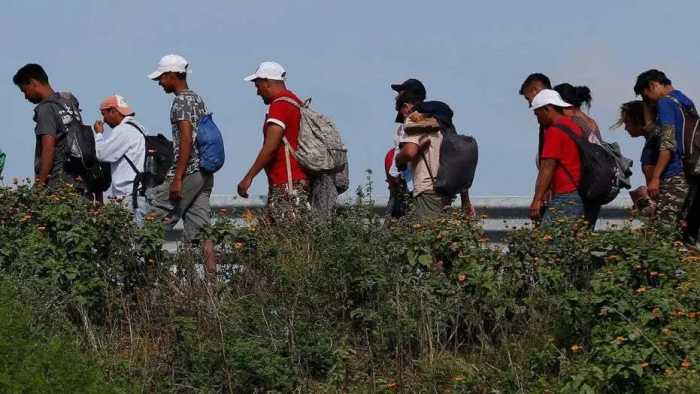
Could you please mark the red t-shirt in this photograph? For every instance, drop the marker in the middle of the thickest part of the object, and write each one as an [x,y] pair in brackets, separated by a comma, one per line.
[560,147]
[287,116]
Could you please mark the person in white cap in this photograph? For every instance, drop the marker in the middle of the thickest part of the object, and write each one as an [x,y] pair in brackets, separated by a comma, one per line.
[124,149]
[560,163]
[186,191]
[287,179]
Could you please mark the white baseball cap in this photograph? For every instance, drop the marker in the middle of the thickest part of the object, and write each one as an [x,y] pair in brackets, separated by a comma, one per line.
[268,70]
[170,63]
[548,97]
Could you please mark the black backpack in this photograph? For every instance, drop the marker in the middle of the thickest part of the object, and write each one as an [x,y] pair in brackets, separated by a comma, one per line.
[459,155]
[80,143]
[159,149]
[600,173]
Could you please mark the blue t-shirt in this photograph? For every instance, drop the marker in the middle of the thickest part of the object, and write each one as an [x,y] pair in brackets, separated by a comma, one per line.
[669,113]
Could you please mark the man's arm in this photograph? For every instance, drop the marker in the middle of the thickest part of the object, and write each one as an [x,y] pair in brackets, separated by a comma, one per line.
[48,153]
[667,146]
[544,180]
[185,128]
[408,153]
[272,141]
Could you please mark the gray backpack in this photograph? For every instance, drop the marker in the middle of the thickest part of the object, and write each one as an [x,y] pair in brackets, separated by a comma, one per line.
[321,151]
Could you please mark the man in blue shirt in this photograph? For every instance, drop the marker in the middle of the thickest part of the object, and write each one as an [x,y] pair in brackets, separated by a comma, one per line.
[667,184]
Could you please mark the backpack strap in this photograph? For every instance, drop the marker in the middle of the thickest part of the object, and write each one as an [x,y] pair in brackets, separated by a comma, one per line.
[288,163]
[131,163]
[290,101]
[137,178]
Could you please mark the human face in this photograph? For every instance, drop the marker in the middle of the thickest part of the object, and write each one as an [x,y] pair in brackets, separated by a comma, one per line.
[262,87]
[654,91]
[111,116]
[531,91]
[166,81]
[31,92]
[633,129]
[544,115]
[406,109]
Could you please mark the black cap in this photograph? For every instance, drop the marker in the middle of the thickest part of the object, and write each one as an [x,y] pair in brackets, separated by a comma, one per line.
[413,86]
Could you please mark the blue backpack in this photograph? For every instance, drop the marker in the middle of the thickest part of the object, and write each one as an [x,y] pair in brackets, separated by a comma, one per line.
[210,144]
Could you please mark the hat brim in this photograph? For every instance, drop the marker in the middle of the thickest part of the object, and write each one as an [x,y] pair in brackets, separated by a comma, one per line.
[397,87]
[155,75]
[251,78]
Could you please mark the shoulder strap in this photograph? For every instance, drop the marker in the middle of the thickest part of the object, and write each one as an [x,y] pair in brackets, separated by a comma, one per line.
[427,166]
[134,125]
[288,100]
[131,163]
[288,163]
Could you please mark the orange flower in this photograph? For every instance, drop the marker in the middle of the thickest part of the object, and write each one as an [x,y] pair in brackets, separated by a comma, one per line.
[620,340]
[576,348]
[685,364]
[392,386]
[641,290]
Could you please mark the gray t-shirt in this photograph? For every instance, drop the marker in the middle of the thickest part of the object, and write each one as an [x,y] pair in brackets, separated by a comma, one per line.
[189,106]
[52,116]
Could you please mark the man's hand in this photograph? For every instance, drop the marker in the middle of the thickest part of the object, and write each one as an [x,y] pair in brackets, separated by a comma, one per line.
[536,210]
[653,187]
[243,186]
[99,127]
[176,189]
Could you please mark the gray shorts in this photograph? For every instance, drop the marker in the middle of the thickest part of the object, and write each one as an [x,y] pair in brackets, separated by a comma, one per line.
[193,208]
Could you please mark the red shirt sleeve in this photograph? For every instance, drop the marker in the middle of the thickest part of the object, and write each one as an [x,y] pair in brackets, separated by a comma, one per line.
[553,147]
[280,113]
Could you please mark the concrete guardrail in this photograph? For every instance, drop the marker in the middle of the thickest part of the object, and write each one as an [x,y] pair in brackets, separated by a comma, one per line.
[500,214]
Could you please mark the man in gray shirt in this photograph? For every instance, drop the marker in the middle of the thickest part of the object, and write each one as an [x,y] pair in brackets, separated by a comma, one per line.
[54,111]
[186,191]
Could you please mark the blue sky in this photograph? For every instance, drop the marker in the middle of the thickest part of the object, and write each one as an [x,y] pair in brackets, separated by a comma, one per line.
[473,55]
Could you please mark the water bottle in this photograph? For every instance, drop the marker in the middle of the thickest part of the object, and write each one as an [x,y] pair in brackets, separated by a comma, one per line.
[150,170]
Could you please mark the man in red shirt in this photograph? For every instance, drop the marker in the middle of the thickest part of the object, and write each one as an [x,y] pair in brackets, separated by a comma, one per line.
[287,179]
[559,164]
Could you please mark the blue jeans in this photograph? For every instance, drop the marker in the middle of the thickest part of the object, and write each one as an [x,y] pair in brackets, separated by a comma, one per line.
[568,205]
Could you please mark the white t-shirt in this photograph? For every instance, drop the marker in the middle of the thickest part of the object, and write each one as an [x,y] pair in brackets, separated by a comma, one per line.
[112,146]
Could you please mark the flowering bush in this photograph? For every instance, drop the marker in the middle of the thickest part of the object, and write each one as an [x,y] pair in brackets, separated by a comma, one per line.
[359,305]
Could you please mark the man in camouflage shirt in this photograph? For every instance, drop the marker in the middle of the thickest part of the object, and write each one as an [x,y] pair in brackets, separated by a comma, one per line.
[667,184]
[186,191]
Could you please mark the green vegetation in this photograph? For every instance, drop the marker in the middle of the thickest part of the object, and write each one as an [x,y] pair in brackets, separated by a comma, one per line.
[89,303]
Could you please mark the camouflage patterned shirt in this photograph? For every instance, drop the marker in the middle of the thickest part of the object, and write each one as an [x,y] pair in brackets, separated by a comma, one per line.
[189,106]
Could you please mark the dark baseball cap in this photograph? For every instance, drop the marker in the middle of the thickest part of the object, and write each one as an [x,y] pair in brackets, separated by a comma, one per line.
[413,86]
